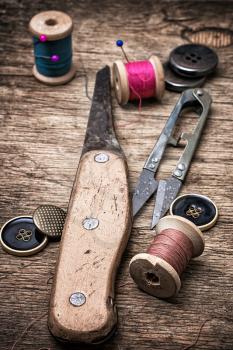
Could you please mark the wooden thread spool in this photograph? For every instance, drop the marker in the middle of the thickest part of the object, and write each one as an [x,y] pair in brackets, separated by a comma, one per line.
[121,83]
[55,25]
[155,275]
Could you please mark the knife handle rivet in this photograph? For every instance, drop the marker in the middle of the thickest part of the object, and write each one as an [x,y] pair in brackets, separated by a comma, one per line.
[90,223]
[77,299]
[101,158]
[155,160]
[152,166]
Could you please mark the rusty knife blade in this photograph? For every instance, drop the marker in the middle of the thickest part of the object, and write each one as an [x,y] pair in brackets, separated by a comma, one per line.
[100,133]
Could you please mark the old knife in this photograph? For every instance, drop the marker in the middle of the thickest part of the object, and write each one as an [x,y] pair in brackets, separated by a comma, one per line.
[82,306]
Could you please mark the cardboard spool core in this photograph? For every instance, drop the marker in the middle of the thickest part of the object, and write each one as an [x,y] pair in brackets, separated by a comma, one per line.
[153,274]
[121,85]
[55,25]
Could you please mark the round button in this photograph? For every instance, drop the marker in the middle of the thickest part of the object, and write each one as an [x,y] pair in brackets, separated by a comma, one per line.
[50,220]
[193,60]
[19,236]
[196,208]
[178,83]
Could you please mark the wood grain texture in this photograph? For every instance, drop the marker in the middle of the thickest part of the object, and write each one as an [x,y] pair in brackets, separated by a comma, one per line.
[88,259]
[42,132]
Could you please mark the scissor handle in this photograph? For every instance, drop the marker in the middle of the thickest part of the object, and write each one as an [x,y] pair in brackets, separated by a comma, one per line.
[152,163]
[183,164]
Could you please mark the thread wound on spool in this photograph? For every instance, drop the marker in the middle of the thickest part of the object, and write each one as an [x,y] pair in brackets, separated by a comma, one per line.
[138,80]
[45,51]
[141,78]
[52,41]
[174,247]
[158,271]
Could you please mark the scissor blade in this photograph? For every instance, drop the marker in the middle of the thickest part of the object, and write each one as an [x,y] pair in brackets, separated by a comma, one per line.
[146,186]
[166,193]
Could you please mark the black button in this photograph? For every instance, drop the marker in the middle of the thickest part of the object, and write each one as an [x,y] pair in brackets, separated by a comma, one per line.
[19,236]
[175,82]
[196,208]
[193,60]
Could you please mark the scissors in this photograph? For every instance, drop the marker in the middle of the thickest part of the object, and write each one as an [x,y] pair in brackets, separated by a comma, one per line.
[165,191]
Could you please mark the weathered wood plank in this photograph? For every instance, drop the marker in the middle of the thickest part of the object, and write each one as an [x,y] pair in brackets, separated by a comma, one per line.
[42,131]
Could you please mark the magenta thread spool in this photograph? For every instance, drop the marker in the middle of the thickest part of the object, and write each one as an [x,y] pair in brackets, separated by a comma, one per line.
[138,80]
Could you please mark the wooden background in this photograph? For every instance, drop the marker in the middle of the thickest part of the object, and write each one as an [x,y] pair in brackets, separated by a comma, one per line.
[42,132]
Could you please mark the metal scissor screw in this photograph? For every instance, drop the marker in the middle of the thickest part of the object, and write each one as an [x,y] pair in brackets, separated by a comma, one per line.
[199,92]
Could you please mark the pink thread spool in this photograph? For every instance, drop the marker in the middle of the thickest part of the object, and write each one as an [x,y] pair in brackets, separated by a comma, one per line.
[138,80]
[158,271]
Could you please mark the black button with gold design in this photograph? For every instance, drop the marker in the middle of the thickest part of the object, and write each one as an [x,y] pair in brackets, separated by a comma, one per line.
[19,236]
[199,209]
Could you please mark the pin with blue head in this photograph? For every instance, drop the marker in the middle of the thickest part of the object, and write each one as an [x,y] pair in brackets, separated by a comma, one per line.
[120,44]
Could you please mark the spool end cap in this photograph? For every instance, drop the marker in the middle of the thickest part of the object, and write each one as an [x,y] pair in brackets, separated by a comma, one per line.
[154,275]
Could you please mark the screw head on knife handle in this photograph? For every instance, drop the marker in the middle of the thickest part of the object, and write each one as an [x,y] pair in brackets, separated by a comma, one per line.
[97,227]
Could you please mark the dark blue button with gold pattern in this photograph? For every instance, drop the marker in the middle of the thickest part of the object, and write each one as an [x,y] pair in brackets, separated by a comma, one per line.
[198,209]
[19,236]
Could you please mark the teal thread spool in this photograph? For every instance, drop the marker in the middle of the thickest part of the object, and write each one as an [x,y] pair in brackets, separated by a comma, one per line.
[52,41]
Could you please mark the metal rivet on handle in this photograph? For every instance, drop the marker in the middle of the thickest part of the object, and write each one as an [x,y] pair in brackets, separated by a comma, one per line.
[77,299]
[90,223]
[101,158]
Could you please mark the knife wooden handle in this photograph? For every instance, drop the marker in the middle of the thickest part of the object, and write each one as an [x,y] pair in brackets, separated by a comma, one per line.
[89,258]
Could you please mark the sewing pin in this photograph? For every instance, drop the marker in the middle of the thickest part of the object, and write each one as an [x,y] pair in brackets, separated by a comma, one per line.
[120,44]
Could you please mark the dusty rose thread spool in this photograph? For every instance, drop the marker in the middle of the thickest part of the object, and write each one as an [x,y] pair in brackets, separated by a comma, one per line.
[138,80]
[158,271]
